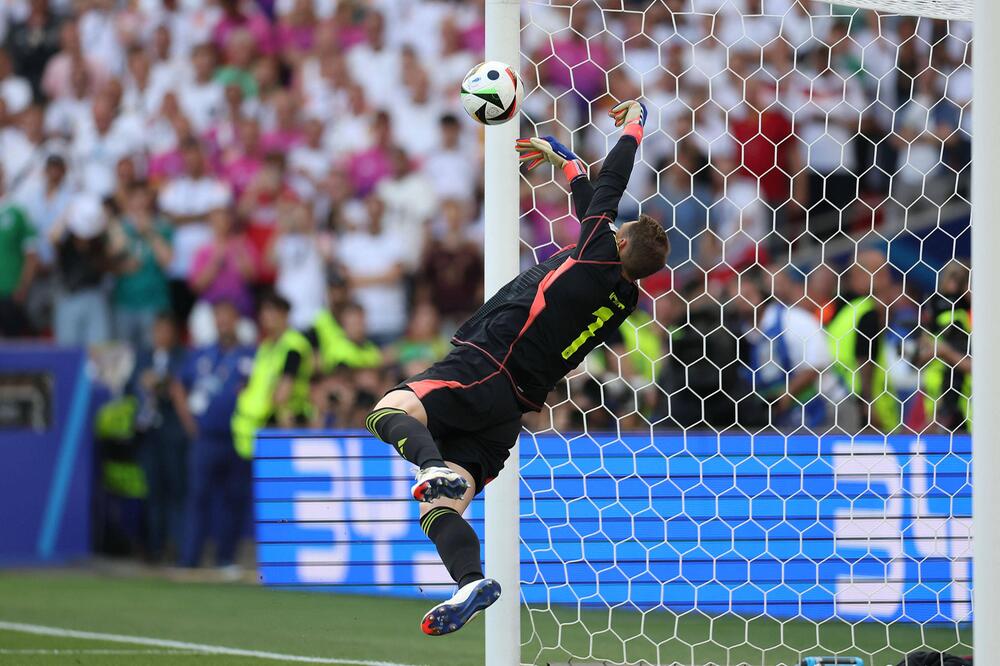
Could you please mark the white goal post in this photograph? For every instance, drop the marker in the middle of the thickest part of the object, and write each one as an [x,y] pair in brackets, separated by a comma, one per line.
[502,539]
[502,256]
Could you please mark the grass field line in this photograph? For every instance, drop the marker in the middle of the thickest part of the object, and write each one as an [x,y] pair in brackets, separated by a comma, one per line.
[95,651]
[42,630]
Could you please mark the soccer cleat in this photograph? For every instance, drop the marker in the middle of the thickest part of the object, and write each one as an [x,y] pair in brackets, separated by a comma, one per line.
[435,482]
[467,603]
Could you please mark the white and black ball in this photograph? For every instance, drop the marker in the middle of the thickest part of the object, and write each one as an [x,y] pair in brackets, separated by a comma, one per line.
[492,92]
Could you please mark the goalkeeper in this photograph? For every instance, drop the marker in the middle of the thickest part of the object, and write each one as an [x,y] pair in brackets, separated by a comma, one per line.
[458,420]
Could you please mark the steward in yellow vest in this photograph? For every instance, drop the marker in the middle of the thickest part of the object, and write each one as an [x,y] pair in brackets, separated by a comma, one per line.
[861,360]
[343,342]
[946,379]
[277,391]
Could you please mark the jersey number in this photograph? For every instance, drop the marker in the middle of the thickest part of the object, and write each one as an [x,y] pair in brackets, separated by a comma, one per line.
[603,314]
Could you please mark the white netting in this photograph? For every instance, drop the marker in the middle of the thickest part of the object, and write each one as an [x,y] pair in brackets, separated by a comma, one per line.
[774,460]
[943,9]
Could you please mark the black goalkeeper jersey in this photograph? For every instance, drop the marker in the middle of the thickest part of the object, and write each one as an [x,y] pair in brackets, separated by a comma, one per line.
[541,325]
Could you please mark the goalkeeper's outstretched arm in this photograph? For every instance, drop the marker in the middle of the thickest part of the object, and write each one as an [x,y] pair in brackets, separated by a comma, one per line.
[615,173]
[594,206]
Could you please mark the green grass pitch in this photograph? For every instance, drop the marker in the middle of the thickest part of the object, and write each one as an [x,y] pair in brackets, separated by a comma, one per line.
[355,630]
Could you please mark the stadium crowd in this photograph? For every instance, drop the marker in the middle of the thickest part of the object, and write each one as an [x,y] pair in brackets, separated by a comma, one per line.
[178,174]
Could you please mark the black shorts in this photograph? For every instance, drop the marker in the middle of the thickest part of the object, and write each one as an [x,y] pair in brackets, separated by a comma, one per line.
[472,412]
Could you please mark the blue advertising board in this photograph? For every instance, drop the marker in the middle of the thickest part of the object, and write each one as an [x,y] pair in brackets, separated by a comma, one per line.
[45,454]
[792,526]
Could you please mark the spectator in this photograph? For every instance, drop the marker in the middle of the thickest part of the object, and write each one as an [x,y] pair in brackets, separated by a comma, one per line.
[374,64]
[702,379]
[63,113]
[100,140]
[202,99]
[295,253]
[789,355]
[237,72]
[373,261]
[355,350]
[416,121]
[15,150]
[45,202]
[766,146]
[285,130]
[243,158]
[14,90]
[33,41]
[351,132]
[211,380]
[309,163]
[234,18]
[448,167]
[827,119]
[18,266]
[98,30]
[296,31]
[408,205]
[858,341]
[920,142]
[945,348]
[260,206]
[166,133]
[60,76]
[187,201]
[140,245]
[821,293]
[369,166]
[685,201]
[222,270]
[423,343]
[451,272]
[140,96]
[82,316]
[163,426]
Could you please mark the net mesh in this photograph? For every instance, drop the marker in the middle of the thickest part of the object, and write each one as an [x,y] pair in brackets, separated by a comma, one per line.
[771,461]
[960,10]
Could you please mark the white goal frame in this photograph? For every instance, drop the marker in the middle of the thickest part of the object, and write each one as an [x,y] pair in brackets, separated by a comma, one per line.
[503,626]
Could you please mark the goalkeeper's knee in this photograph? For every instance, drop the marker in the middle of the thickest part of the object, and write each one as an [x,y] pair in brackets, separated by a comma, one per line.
[410,437]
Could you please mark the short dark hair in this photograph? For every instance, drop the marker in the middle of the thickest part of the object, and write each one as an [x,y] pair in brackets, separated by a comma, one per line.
[272,299]
[647,248]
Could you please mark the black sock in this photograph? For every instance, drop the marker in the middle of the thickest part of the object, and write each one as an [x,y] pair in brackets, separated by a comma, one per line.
[456,542]
[410,437]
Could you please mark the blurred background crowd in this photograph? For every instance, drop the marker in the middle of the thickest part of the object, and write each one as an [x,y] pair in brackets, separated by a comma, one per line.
[190,185]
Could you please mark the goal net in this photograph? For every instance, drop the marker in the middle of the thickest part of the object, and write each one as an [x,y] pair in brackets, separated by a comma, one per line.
[772,461]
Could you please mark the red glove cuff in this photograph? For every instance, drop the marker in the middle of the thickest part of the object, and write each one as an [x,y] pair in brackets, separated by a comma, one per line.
[573,169]
[635,131]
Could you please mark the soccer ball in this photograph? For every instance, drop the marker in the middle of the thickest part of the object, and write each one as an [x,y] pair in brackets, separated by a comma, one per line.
[492,92]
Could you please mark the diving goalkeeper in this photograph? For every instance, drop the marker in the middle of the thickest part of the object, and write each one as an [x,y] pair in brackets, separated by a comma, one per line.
[458,420]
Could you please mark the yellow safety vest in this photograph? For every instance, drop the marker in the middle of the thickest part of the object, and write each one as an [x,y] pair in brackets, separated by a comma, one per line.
[255,404]
[335,348]
[843,333]
[642,343]
[115,421]
[936,371]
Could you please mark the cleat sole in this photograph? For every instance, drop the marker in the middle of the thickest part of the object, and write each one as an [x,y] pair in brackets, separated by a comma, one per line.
[448,618]
[429,491]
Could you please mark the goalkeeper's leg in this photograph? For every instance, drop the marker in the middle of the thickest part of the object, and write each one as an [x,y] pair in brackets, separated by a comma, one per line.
[458,546]
[400,419]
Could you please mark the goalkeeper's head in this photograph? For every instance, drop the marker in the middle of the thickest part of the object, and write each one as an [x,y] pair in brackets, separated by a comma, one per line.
[643,247]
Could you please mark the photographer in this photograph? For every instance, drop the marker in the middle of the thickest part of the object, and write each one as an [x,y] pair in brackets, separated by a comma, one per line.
[945,351]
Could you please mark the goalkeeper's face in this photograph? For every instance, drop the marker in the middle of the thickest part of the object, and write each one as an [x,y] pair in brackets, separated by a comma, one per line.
[642,247]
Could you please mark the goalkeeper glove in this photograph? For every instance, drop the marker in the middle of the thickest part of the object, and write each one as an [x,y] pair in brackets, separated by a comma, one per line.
[536,150]
[632,116]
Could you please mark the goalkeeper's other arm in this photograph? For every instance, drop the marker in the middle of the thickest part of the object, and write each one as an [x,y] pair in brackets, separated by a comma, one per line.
[536,150]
